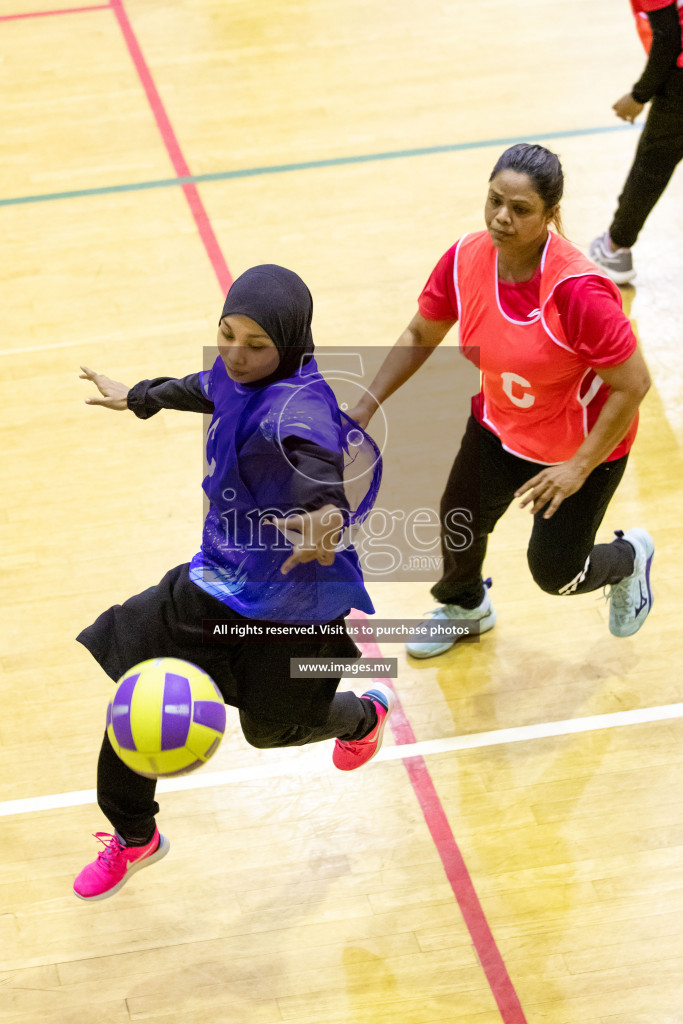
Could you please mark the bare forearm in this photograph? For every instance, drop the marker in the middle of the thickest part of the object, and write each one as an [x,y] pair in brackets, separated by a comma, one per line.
[548,489]
[413,348]
[611,426]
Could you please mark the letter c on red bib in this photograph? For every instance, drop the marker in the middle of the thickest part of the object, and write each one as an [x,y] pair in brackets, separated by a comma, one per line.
[523,401]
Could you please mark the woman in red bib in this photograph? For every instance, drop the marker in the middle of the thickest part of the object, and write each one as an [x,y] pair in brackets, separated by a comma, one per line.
[561,382]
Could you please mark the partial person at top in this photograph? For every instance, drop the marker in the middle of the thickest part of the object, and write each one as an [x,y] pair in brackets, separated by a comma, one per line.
[660,148]
[557,413]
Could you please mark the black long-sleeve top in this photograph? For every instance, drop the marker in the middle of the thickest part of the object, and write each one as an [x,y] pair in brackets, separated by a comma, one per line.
[318,481]
[664,52]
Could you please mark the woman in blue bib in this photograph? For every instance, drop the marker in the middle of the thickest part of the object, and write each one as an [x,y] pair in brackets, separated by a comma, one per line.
[271,553]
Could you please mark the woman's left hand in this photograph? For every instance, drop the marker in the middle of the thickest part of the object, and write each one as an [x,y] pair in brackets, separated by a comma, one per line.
[550,487]
[318,534]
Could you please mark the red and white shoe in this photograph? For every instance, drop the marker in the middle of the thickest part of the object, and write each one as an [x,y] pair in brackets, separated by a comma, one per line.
[350,754]
[115,863]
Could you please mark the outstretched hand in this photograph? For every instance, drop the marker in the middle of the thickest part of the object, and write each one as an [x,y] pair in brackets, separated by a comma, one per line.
[314,536]
[114,394]
[550,487]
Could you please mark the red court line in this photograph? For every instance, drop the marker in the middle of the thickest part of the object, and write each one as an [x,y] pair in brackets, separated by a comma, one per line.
[454,865]
[173,148]
[46,14]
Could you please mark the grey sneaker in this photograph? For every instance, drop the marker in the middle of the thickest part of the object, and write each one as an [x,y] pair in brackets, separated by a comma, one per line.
[483,616]
[618,265]
[630,600]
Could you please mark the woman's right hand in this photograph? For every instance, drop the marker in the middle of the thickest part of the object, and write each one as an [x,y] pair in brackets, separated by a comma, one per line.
[114,394]
[360,415]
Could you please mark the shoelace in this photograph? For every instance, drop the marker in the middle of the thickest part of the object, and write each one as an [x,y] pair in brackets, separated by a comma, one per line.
[355,745]
[112,848]
[351,745]
[621,597]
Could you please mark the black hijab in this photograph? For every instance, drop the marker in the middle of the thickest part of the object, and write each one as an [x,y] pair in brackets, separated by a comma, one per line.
[279,302]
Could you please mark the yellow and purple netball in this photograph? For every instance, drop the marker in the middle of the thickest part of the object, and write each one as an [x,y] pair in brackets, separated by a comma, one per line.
[166,718]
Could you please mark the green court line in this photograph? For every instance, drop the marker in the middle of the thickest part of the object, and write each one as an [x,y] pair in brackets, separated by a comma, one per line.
[308,165]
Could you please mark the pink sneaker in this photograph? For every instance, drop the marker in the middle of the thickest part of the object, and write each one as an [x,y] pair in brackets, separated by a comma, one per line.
[115,864]
[350,754]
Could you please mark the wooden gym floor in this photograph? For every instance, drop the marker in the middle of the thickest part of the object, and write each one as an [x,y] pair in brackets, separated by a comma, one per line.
[514,854]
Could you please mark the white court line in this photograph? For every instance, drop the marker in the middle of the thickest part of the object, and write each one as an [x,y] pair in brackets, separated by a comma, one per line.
[318,763]
[19,351]
[155,330]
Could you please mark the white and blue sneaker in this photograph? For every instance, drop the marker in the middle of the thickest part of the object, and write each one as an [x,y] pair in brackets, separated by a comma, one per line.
[483,616]
[631,599]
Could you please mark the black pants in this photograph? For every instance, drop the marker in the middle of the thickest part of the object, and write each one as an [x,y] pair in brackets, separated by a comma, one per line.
[659,151]
[127,799]
[275,710]
[561,553]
